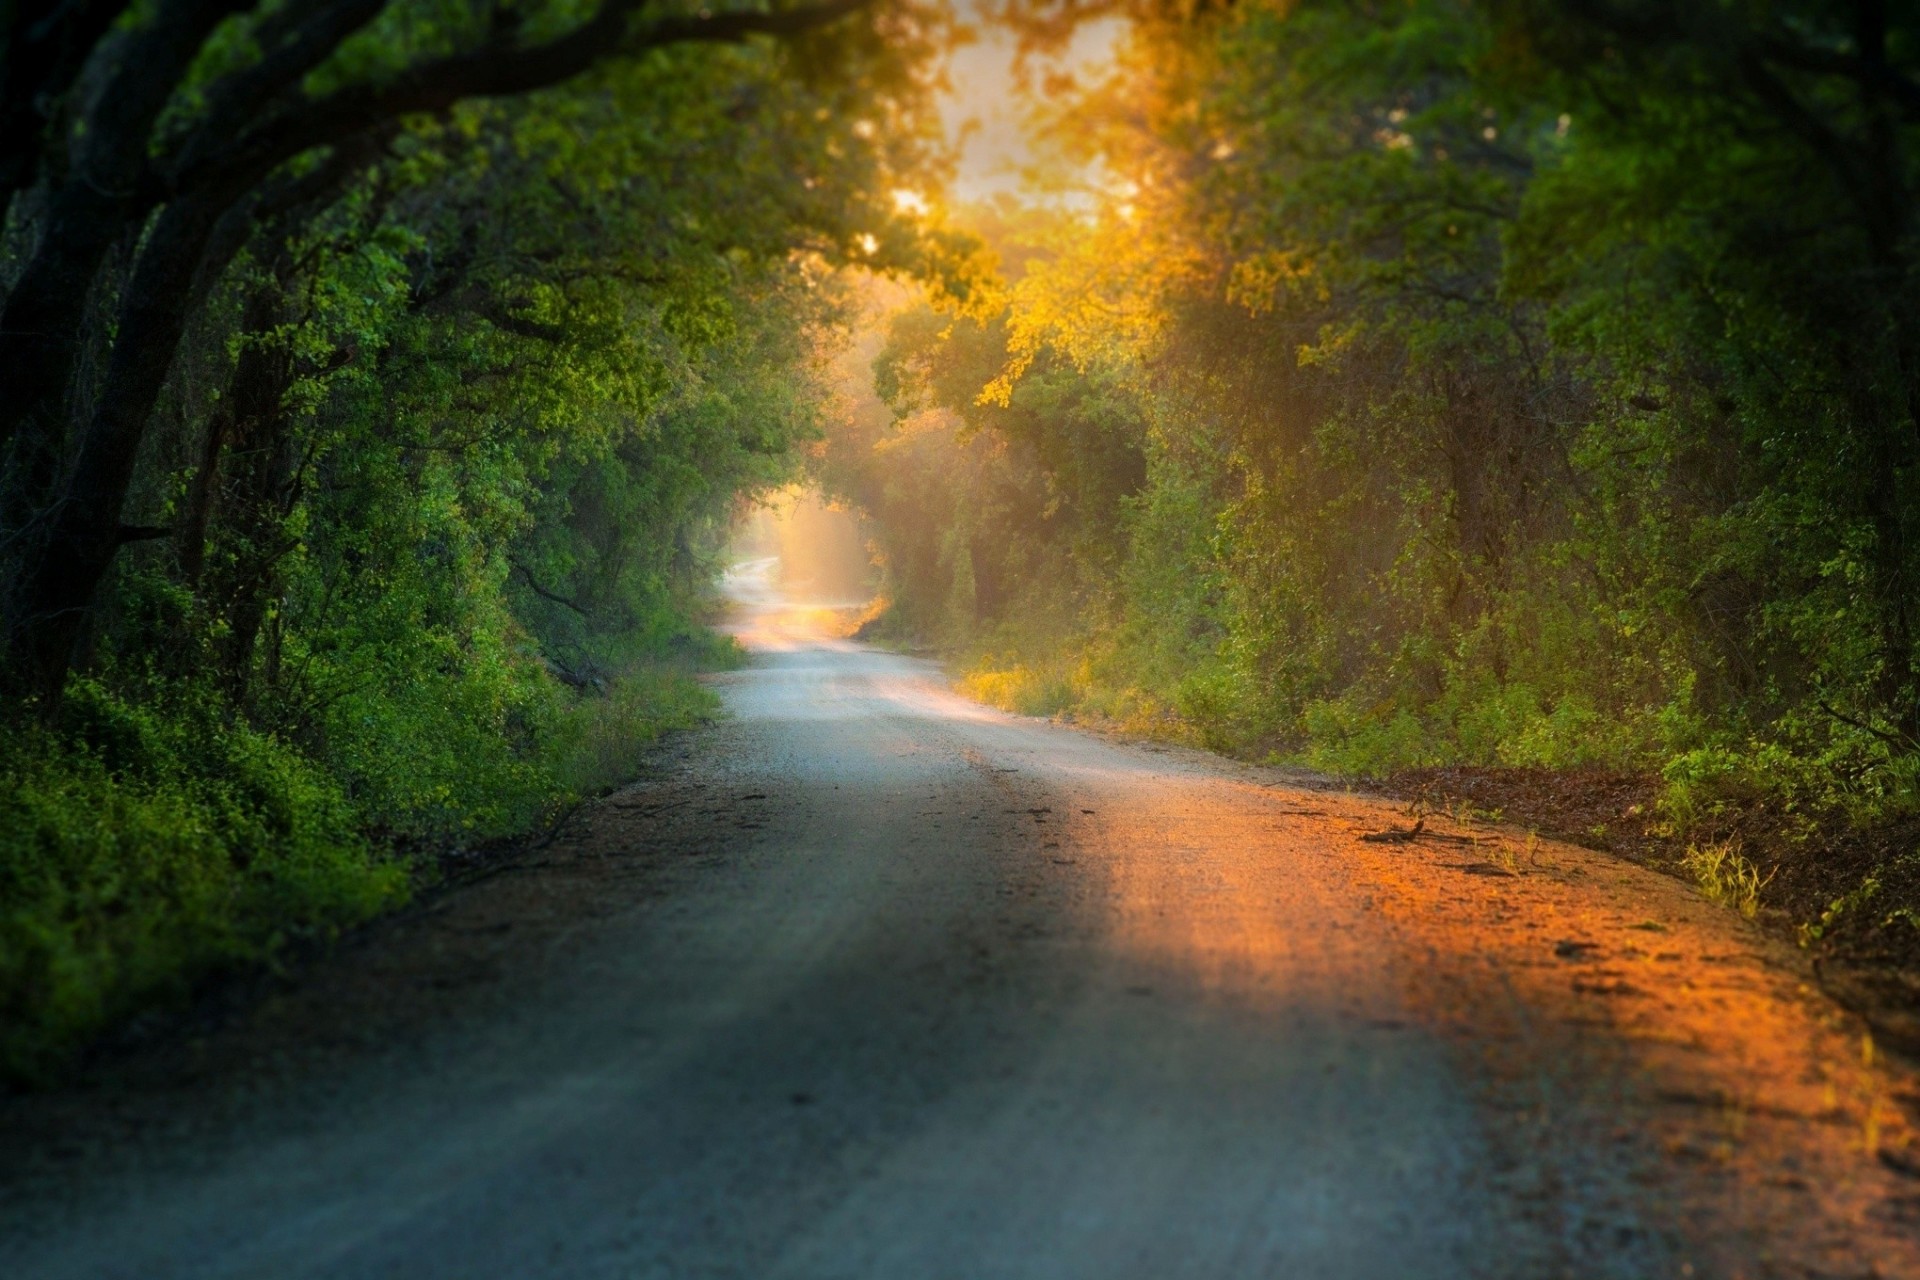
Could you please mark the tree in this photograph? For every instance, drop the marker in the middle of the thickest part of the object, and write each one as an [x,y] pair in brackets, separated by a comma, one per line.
[211,119]
[1763,160]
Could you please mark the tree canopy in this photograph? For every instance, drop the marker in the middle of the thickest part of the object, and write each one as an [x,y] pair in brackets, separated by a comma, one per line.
[1424,382]
[1523,383]
[381,381]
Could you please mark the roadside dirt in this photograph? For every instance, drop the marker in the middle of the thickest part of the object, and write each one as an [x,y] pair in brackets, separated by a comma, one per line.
[1867,955]
[1636,1014]
[487,938]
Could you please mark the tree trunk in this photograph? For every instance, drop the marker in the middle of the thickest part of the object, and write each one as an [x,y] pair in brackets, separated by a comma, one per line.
[60,576]
[260,486]
[40,336]
[254,392]
[198,516]
[191,244]
[47,45]
[107,196]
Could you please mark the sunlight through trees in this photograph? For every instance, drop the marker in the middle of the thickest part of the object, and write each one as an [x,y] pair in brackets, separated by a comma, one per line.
[1506,382]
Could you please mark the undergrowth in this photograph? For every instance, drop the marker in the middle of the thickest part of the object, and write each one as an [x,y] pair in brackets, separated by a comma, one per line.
[156,836]
[149,846]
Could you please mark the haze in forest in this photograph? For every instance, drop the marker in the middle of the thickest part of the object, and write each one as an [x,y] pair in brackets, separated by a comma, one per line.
[823,556]
[1515,407]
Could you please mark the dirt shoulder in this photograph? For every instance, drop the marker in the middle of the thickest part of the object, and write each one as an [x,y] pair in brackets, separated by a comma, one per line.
[1847,897]
[1647,1064]
[480,943]
[1619,1018]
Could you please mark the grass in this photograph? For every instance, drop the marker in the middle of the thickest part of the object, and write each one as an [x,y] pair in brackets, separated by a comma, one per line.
[1725,875]
[157,838]
[125,881]
[599,738]
[1020,689]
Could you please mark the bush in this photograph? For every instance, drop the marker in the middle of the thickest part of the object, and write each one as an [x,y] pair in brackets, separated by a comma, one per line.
[158,837]
[150,848]
[596,741]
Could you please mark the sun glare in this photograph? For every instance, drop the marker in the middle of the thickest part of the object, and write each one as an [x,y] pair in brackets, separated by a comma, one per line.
[987,105]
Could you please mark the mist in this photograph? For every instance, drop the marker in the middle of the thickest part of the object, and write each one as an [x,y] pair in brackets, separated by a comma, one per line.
[823,556]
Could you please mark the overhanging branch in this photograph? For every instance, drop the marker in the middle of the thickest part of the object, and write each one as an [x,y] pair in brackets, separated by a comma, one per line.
[500,68]
[533,584]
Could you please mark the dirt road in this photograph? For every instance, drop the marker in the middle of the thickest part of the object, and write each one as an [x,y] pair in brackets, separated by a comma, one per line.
[869,983]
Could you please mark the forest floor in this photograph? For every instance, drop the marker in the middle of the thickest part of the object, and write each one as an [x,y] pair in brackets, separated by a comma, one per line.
[870,981]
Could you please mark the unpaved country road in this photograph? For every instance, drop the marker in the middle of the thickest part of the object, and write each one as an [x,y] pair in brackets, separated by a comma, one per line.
[869,983]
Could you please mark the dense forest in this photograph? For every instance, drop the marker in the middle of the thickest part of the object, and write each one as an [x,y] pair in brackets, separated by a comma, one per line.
[380,382]
[1382,384]
[1497,382]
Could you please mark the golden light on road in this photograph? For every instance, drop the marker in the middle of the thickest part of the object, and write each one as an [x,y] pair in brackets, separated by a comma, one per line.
[1203,901]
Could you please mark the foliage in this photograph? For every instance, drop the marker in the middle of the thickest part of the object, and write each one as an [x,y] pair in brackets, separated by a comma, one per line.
[156,841]
[1526,384]
[597,739]
[381,507]
[1726,875]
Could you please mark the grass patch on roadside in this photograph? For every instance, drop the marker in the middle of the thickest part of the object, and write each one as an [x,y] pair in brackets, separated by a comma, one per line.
[157,838]
[599,738]
[151,849]
[1725,875]
[1019,688]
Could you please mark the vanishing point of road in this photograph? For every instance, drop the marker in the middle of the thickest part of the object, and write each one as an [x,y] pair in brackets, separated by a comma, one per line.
[867,982]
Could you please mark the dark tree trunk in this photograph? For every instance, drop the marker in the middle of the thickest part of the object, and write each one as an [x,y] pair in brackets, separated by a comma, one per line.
[191,244]
[109,193]
[60,577]
[201,495]
[255,391]
[264,493]
[102,201]
[40,336]
[46,45]
[259,493]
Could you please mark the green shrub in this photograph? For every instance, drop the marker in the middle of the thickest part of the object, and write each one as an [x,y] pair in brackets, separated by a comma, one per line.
[151,847]
[596,741]
[1344,739]
[1215,700]
[158,837]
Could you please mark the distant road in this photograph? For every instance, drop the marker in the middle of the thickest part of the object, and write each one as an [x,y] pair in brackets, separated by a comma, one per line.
[870,983]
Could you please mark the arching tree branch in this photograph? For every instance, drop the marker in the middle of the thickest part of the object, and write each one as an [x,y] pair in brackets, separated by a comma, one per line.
[502,68]
[533,584]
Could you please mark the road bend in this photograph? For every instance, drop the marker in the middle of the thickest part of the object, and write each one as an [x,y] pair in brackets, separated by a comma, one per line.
[866,982]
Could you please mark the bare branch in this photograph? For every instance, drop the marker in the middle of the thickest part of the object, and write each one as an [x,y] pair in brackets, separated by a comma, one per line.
[144,532]
[1899,740]
[526,575]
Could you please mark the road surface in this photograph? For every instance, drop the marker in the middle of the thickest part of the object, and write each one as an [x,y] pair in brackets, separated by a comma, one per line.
[871,983]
